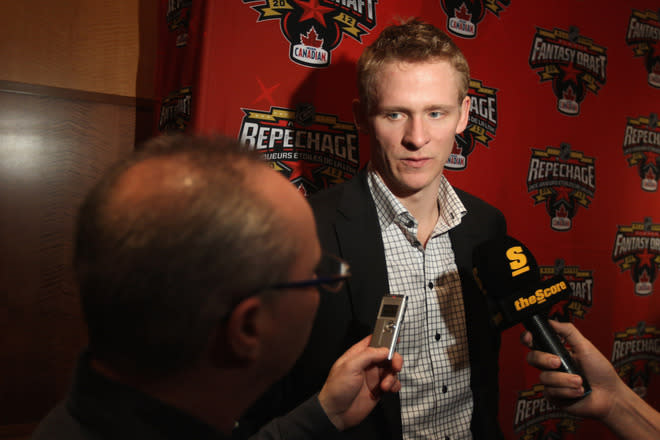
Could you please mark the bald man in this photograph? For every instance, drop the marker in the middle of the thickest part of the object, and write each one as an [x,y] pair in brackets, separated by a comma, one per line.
[198,269]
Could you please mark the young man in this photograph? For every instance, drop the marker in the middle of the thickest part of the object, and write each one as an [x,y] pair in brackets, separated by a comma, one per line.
[405,230]
[198,267]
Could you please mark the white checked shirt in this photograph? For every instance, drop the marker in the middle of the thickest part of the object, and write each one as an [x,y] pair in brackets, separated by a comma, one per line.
[436,399]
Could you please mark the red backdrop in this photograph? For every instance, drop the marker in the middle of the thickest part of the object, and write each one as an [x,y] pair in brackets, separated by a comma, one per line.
[564,138]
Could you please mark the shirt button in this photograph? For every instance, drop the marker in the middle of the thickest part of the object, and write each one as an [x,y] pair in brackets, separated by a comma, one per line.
[410,223]
[446,437]
[444,388]
[417,243]
[430,285]
[437,336]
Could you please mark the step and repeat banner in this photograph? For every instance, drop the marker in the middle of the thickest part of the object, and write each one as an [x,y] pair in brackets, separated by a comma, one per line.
[564,138]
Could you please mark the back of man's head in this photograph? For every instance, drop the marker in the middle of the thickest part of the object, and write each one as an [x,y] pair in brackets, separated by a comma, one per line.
[166,243]
[412,41]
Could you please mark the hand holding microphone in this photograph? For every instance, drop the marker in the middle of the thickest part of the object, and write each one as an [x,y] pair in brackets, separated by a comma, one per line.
[508,273]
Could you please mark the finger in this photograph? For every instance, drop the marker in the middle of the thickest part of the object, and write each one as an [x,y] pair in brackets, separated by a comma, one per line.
[367,357]
[526,339]
[543,360]
[397,362]
[558,379]
[563,396]
[390,384]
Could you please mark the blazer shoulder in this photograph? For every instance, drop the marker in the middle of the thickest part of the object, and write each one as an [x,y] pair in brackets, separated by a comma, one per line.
[481,214]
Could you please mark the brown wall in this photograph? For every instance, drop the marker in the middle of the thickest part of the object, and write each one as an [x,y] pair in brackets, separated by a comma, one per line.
[76,90]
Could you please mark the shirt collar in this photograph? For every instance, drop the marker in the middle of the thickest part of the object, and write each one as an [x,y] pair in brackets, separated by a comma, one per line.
[391,210]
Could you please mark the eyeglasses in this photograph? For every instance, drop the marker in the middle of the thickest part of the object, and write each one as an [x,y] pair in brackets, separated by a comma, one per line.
[331,272]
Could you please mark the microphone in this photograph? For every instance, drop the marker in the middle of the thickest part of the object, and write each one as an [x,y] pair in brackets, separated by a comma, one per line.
[507,271]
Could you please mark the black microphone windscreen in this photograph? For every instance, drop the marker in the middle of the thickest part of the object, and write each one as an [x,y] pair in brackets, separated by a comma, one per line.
[504,266]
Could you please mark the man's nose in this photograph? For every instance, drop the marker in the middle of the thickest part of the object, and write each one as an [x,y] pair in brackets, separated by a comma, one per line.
[416,134]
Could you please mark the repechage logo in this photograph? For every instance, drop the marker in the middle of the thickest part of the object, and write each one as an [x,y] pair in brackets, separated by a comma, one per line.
[314,28]
[536,417]
[481,127]
[463,16]
[644,37]
[313,150]
[637,249]
[641,146]
[574,64]
[562,179]
[636,355]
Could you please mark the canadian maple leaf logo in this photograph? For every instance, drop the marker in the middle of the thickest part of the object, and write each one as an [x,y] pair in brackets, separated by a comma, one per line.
[311,38]
[561,212]
[569,94]
[463,13]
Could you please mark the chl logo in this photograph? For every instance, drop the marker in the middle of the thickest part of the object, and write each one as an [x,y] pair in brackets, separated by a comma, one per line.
[641,146]
[537,418]
[481,127]
[636,356]
[573,63]
[313,150]
[314,28]
[637,249]
[644,37]
[175,111]
[581,282]
[563,179]
[463,16]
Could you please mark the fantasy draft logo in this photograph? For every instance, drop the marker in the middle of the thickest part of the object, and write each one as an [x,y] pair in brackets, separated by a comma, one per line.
[636,354]
[536,418]
[178,19]
[175,111]
[314,28]
[563,179]
[481,127]
[572,62]
[641,146]
[313,150]
[581,283]
[644,37]
[637,248]
[464,15]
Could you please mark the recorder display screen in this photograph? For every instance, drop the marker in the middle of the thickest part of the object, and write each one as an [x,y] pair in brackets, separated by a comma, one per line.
[389,310]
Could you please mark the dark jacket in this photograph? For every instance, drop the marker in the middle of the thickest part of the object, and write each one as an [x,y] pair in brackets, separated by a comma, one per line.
[348,226]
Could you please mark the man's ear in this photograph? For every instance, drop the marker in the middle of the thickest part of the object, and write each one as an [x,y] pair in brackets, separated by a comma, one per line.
[244,338]
[464,116]
[359,115]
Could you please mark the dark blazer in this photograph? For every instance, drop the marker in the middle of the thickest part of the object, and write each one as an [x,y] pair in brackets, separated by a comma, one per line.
[347,225]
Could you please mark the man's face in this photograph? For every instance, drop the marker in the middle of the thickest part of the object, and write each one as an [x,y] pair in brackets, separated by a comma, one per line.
[293,310]
[412,124]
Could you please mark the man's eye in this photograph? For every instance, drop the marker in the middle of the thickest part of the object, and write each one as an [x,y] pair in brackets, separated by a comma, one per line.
[436,115]
[394,116]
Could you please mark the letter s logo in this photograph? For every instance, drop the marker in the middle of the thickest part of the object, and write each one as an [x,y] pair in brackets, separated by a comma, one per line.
[517,260]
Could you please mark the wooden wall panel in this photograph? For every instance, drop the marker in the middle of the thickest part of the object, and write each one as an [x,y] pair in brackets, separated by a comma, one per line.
[52,149]
[91,45]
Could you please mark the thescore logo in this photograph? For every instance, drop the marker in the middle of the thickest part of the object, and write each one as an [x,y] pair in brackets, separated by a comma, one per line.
[517,260]
[540,296]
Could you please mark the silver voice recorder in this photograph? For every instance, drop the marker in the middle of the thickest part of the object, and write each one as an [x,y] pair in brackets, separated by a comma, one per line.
[389,322]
